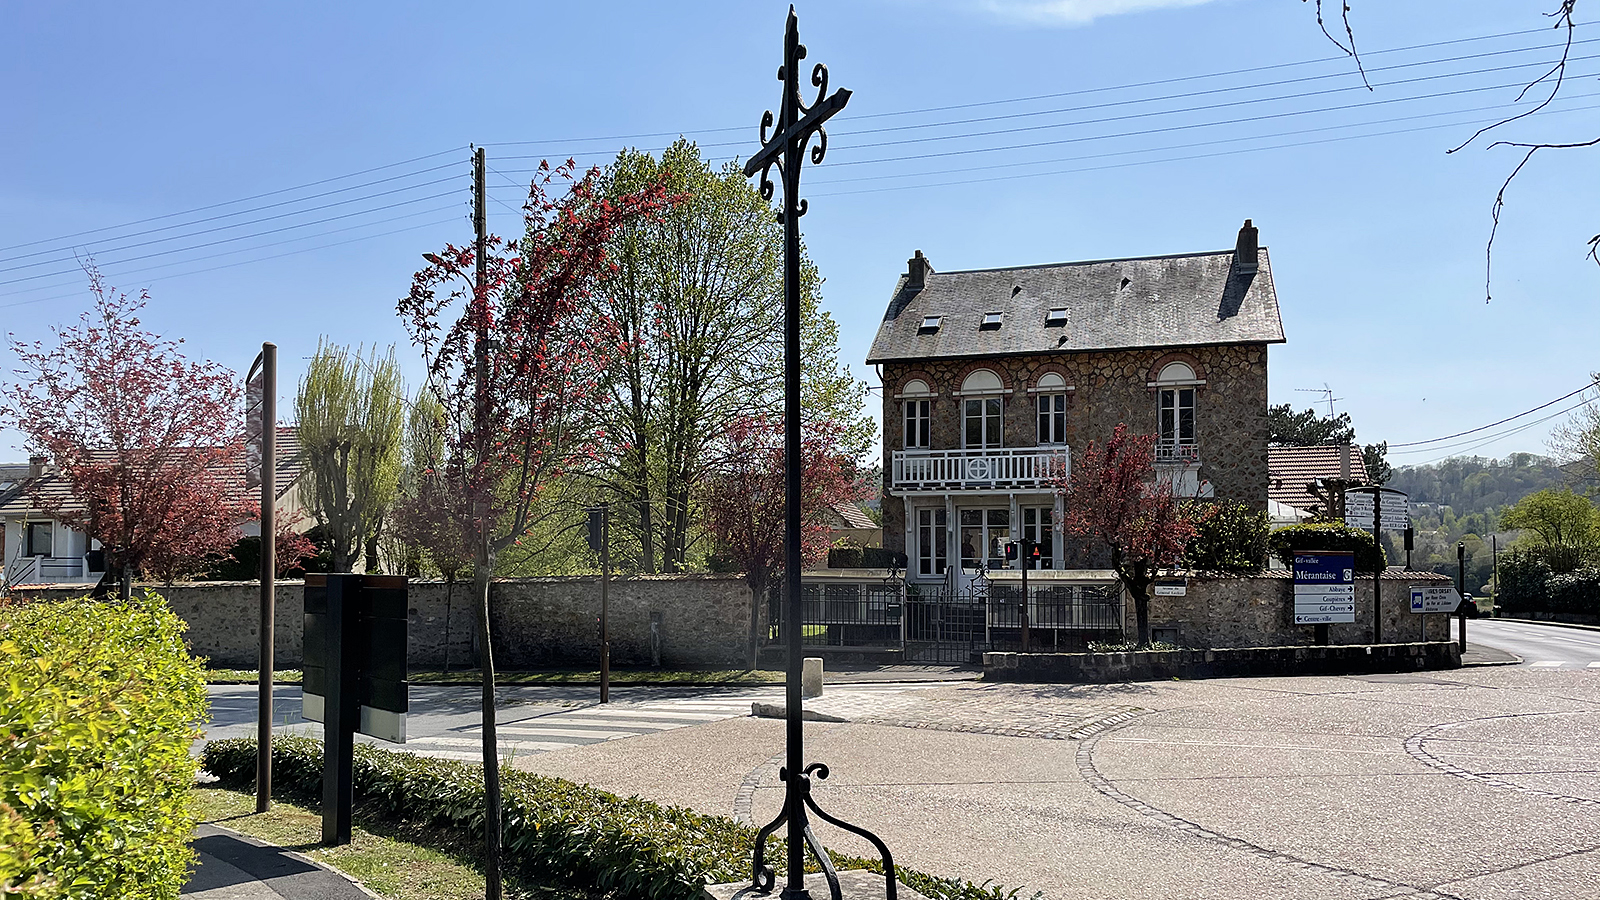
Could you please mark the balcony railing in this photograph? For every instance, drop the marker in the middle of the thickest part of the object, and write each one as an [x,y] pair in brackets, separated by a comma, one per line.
[1174,453]
[957,470]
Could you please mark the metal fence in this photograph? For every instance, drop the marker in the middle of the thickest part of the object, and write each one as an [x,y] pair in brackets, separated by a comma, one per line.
[945,625]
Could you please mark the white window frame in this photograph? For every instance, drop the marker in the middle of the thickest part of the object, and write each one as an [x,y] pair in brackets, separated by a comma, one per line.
[1170,407]
[932,539]
[918,433]
[991,425]
[1052,419]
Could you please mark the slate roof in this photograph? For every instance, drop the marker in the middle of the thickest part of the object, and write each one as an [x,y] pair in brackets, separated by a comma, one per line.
[1290,469]
[851,515]
[21,499]
[1151,301]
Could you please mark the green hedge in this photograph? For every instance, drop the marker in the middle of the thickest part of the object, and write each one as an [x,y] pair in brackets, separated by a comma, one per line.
[1327,536]
[99,704]
[1230,538]
[636,848]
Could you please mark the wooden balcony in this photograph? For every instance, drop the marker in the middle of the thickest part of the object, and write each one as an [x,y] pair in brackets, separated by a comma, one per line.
[994,469]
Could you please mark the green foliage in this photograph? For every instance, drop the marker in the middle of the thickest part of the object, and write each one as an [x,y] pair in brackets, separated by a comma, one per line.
[1304,429]
[635,848]
[98,708]
[349,415]
[1473,484]
[1562,527]
[1326,536]
[1523,579]
[1577,591]
[1230,538]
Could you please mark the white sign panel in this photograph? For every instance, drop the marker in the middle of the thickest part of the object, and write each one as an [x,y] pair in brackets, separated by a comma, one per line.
[254,432]
[1358,511]
[1171,588]
[1434,599]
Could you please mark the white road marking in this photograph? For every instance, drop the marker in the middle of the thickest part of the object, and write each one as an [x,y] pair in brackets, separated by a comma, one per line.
[1547,665]
[606,735]
[1595,664]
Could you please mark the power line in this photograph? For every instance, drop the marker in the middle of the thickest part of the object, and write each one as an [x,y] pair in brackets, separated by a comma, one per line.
[272,193]
[1502,421]
[1477,443]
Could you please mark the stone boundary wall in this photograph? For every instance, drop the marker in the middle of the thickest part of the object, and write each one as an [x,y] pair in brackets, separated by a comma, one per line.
[537,621]
[1258,611]
[1160,665]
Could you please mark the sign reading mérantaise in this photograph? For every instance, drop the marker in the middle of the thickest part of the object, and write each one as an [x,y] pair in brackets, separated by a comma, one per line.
[1324,587]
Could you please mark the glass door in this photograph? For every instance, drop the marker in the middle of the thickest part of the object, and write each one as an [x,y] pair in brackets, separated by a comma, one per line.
[984,533]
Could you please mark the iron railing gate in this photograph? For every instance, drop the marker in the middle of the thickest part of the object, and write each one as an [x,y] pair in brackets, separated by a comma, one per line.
[944,625]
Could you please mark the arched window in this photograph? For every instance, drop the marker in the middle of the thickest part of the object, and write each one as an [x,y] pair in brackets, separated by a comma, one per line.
[1175,417]
[1052,403]
[919,408]
[982,415]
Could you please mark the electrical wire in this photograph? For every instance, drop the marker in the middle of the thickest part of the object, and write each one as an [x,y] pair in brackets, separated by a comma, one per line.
[1519,415]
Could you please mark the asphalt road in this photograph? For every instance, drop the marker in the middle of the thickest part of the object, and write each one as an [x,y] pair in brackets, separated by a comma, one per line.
[1540,646]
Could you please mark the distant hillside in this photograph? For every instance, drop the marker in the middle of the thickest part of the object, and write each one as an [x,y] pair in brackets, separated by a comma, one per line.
[1472,484]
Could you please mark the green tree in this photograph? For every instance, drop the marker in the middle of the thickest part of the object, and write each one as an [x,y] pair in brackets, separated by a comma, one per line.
[698,296]
[1306,428]
[1560,526]
[349,415]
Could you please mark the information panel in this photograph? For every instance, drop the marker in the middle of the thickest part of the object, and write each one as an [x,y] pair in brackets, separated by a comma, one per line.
[1358,506]
[1443,599]
[1324,587]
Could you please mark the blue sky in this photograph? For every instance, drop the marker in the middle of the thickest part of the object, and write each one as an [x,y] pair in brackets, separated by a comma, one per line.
[116,114]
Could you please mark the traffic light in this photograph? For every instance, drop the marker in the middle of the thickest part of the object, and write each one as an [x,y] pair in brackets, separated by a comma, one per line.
[1011,550]
[597,517]
[1033,552]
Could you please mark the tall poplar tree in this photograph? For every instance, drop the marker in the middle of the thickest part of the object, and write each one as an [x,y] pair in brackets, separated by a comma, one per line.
[350,416]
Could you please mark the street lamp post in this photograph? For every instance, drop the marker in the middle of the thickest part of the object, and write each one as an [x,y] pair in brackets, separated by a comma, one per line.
[786,149]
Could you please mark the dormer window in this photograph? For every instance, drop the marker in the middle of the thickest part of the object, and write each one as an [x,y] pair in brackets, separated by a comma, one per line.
[931,323]
[992,320]
[1056,316]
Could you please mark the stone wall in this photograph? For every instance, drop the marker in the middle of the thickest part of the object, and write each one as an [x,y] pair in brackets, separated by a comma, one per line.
[537,621]
[1259,612]
[1108,388]
[1229,663]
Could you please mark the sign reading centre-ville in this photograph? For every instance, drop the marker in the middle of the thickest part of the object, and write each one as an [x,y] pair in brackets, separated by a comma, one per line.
[1324,587]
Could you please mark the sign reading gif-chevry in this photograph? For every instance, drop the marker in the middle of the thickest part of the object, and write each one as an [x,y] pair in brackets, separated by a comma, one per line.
[1324,587]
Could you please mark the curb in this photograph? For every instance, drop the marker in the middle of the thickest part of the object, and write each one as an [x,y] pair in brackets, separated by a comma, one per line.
[1548,622]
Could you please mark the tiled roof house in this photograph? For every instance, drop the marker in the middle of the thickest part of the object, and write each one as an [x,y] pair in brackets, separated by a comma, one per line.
[994,377]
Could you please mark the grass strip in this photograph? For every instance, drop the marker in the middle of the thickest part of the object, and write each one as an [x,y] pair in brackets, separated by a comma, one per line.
[394,861]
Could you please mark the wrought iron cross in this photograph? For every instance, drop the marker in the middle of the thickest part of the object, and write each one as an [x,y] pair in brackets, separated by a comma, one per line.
[786,149]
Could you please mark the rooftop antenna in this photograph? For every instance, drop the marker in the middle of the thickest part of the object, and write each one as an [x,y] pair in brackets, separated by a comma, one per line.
[1325,389]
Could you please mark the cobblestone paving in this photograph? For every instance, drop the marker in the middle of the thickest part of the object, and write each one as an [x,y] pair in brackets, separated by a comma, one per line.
[986,709]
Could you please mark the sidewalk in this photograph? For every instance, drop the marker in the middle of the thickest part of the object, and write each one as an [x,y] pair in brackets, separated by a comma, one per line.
[235,867]
[1479,655]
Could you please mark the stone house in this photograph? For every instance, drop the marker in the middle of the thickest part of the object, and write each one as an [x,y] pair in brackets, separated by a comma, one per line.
[993,379]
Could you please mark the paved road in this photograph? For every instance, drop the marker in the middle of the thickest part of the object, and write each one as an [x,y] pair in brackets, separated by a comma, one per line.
[445,721]
[1540,646]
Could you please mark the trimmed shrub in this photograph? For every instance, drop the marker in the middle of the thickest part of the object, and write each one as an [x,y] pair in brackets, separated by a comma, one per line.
[1327,536]
[636,848]
[1577,592]
[99,704]
[1230,538]
[1523,578]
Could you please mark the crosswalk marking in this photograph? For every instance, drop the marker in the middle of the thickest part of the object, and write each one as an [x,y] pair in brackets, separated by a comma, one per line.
[1595,664]
[1546,665]
[570,732]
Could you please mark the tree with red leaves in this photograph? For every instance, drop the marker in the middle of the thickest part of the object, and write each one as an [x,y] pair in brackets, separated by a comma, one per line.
[1114,493]
[132,429]
[513,359]
[743,501]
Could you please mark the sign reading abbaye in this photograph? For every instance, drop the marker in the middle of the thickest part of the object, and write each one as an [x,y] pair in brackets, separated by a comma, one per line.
[1324,587]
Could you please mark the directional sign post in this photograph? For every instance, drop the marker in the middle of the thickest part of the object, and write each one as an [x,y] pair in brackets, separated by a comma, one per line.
[1324,587]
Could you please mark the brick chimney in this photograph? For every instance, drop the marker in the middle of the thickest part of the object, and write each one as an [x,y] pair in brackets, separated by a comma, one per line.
[917,270]
[1246,258]
[36,466]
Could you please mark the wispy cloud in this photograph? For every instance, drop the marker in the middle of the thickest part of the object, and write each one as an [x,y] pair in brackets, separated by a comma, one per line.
[1074,12]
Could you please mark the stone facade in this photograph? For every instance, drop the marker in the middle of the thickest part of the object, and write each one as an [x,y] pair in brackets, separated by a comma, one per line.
[1259,612]
[537,621]
[1107,388]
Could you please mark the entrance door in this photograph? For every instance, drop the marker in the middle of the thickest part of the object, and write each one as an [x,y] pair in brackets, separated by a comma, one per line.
[984,533]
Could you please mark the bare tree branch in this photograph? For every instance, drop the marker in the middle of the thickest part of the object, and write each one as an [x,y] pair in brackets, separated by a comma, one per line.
[1559,70]
[1350,37]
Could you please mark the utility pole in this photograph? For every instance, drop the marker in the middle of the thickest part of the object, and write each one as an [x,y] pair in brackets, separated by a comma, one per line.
[1461,588]
[605,623]
[1494,592]
[1377,570]
[480,428]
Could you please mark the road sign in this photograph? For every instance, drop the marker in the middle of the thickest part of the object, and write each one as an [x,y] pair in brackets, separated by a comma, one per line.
[1394,514]
[1171,587]
[254,428]
[1324,587]
[1434,599]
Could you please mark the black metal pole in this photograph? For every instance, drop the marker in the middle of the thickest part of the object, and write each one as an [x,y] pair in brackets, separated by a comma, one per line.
[605,623]
[1026,548]
[269,572]
[1461,588]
